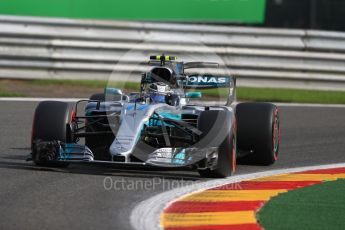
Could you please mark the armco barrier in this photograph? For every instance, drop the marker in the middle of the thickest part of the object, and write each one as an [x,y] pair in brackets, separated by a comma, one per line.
[42,48]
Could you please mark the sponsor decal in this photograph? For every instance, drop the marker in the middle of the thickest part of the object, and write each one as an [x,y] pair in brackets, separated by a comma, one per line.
[175,156]
[163,153]
[208,81]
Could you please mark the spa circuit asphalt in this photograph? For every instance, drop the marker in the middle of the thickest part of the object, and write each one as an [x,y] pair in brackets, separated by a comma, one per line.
[94,197]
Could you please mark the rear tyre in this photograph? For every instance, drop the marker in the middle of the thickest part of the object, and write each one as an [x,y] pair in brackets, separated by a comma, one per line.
[219,130]
[99,145]
[258,133]
[52,122]
[98,97]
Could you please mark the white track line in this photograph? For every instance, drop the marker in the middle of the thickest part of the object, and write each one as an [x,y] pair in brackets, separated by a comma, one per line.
[33,99]
[38,99]
[309,105]
[145,216]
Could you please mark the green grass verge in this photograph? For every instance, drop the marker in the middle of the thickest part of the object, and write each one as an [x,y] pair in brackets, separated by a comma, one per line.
[10,94]
[316,207]
[87,83]
[243,93]
[291,95]
[4,93]
[281,95]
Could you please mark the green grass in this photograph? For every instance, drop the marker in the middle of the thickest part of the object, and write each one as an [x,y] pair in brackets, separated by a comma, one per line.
[316,207]
[4,93]
[243,93]
[291,95]
[281,95]
[87,83]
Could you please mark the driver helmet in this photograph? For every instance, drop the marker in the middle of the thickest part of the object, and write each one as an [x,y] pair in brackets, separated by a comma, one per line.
[158,91]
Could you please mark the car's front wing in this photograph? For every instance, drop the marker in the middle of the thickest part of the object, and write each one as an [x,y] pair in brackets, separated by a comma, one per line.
[55,151]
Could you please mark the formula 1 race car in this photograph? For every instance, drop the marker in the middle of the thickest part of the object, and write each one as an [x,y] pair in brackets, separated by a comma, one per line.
[166,124]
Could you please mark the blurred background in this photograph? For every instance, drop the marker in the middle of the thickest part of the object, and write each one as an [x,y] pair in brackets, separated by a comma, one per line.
[306,14]
[280,50]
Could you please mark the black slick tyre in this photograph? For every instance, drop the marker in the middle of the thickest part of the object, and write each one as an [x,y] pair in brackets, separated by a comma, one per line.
[99,145]
[219,130]
[52,122]
[98,97]
[258,132]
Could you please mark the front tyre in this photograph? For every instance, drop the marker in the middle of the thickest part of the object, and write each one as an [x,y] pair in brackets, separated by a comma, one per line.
[258,132]
[219,130]
[52,122]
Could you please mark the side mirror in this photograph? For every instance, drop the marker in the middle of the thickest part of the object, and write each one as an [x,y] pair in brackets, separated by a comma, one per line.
[193,95]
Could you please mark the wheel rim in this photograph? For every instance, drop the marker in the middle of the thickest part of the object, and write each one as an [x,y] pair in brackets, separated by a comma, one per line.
[276,135]
[72,126]
[234,147]
[233,154]
[72,116]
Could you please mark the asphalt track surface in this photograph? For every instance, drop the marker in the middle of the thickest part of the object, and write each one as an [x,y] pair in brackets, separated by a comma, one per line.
[75,198]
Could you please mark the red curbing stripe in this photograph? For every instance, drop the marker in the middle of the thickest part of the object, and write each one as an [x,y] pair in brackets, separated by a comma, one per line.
[198,207]
[324,171]
[283,182]
[220,227]
[265,185]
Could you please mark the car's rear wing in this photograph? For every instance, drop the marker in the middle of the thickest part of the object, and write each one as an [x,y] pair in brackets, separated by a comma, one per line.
[208,81]
[193,65]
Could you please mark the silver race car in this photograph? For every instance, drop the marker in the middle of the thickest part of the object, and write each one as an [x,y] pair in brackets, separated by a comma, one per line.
[174,121]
